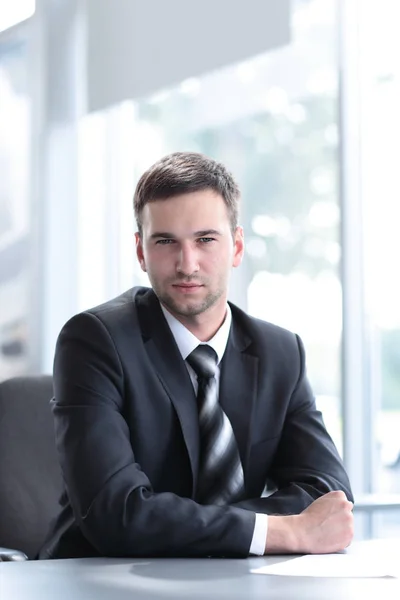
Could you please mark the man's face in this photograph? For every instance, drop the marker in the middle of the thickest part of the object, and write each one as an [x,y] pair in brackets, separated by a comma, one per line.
[187,249]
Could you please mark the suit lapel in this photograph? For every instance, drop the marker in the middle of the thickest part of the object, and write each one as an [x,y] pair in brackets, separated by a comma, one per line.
[238,388]
[172,372]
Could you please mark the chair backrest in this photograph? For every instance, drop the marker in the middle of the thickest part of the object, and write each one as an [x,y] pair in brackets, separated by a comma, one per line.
[30,476]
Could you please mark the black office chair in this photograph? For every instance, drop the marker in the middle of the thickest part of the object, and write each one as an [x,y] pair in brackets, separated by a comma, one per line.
[30,476]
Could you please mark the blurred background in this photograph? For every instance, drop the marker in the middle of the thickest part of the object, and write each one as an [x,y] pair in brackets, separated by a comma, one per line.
[300,99]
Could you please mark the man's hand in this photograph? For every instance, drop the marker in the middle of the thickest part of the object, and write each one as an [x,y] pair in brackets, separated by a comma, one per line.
[324,526]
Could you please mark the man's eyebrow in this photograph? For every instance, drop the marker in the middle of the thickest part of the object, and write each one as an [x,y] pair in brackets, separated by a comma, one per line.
[206,232]
[161,234]
[170,236]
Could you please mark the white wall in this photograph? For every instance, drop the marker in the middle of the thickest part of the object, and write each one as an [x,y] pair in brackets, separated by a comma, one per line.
[137,47]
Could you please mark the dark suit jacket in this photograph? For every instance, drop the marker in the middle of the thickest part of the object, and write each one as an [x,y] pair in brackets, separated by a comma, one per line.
[128,441]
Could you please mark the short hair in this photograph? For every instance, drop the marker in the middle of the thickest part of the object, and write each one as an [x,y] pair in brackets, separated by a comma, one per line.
[184,172]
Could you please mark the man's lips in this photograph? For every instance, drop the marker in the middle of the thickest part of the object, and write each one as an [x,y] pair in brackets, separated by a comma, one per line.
[187,286]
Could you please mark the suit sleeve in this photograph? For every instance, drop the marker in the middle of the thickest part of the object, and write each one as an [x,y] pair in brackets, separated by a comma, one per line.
[306,464]
[112,499]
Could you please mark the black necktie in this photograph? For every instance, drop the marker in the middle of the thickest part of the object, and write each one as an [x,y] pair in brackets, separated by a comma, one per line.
[220,478]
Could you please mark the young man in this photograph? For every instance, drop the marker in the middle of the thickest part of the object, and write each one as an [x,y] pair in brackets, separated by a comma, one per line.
[173,408]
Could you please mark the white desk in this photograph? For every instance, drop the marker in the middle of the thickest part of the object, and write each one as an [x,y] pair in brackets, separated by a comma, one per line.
[197,579]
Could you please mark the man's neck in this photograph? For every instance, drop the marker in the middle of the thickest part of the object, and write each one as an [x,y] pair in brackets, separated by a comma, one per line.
[203,326]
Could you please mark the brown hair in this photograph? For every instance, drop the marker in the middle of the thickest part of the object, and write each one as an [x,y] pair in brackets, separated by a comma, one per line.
[182,173]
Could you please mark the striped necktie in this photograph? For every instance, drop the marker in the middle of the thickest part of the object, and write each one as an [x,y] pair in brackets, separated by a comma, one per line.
[220,479]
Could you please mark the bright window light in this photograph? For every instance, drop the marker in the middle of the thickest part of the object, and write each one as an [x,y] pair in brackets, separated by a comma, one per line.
[15,11]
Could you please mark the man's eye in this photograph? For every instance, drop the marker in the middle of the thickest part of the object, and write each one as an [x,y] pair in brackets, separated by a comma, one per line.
[164,242]
[205,240]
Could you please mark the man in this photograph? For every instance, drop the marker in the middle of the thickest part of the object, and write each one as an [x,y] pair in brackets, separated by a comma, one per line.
[173,408]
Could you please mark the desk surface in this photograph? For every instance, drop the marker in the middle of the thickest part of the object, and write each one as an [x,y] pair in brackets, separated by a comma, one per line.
[197,579]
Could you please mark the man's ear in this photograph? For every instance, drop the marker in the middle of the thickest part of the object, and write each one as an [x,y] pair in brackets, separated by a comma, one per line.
[139,251]
[238,249]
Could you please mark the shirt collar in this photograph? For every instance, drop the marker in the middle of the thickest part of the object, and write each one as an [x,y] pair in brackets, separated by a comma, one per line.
[187,342]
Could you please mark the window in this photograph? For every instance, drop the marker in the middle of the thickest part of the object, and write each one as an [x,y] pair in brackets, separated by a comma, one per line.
[15,226]
[15,11]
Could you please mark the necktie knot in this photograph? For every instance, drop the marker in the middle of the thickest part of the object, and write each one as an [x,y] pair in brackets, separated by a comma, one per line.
[203,361]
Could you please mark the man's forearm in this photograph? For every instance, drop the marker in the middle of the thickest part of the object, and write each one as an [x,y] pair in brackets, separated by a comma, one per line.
[286,501]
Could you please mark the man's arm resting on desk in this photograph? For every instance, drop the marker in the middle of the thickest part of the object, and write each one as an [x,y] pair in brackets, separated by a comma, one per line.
[325,526]
[306,467]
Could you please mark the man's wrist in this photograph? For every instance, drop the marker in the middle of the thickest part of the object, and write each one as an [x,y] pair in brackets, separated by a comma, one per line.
[283,535]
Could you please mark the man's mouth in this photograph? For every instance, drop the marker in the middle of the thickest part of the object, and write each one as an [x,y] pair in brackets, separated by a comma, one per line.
[187,286]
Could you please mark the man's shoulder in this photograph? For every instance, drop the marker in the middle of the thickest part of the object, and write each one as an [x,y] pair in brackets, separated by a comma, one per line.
[125,302]
[119,312]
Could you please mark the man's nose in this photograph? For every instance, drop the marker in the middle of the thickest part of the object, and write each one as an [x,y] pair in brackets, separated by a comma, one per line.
[187,263]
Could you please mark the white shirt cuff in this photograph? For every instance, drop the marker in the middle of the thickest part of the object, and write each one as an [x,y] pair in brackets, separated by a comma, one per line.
[259,540]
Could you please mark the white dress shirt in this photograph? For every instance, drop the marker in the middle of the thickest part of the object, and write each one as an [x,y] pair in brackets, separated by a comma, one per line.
[186,343]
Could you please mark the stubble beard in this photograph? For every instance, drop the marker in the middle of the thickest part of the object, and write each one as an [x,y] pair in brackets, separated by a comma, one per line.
[190,308]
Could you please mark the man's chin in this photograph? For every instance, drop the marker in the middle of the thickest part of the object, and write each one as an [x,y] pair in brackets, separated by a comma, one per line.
[187,307]
[184,309]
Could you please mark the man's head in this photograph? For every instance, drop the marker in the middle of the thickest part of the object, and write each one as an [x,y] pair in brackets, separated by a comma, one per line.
[186,207]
